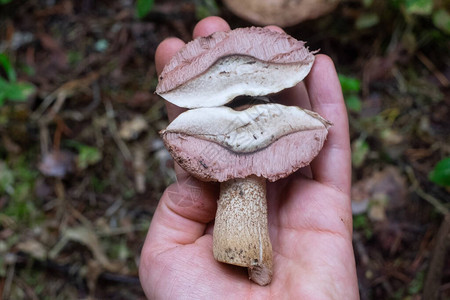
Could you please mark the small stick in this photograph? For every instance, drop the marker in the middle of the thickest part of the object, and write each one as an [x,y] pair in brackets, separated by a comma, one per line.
[432,68]
[434,275]
[430,199]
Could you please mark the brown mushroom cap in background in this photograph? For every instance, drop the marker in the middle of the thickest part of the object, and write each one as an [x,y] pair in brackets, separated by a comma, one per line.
[280,12]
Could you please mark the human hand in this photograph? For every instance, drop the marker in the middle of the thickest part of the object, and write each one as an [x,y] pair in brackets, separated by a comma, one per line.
[310,220]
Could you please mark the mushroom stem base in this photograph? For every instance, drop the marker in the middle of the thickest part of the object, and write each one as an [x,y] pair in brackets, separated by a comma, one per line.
[241,234]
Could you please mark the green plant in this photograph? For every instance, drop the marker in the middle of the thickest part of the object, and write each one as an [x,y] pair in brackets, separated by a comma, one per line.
[87,155]
[143,7]
[10,89]
[351,87]
[362,223]
[205,8]
[360,151]
[441,173]
[17,183]
[416,285]
[441,19]
[418,7]
[410,10]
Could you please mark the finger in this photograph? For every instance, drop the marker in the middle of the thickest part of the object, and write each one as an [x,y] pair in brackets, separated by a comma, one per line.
[294,96]
[274,28]
[164,53]
[333,164]
[210,25]
[183,212]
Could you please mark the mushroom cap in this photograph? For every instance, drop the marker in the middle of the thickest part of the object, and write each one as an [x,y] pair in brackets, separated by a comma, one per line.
[280,12]
[268,140]
[211,71]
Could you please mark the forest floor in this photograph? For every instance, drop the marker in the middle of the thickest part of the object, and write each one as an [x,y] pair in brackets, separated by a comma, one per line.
[82,166]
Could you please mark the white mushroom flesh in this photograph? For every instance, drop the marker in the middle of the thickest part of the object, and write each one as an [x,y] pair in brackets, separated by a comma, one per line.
[248,130]
[234,76]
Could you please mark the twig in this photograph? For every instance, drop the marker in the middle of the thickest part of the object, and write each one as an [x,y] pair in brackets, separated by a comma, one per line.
[8,281]
[123,230]
[60,95]
[80,217]
[80,115]
[432,68]
[427,197]
[29,292]
[72,271]
[60,99]
[113,129]
[60,192]
[139,169]
[44,138]
[434,275]
[360,249]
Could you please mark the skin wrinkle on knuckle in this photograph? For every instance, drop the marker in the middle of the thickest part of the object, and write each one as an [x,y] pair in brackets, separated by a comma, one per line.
[186,205]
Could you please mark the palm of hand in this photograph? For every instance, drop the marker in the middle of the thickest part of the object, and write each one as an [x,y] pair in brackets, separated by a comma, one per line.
[311,243]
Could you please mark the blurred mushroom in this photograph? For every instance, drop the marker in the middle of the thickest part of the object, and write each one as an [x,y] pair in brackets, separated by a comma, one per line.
[57,163]
[280,12]
[240,148]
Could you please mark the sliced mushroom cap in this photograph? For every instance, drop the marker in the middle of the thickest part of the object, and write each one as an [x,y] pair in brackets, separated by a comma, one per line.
[280,12]
[211,71]
[269,140]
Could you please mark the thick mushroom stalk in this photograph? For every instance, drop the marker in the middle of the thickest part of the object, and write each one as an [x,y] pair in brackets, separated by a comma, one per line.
[241,235]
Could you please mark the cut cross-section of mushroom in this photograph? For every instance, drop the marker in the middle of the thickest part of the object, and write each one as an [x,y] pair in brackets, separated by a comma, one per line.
[241,149]
[212,71]
[219,143]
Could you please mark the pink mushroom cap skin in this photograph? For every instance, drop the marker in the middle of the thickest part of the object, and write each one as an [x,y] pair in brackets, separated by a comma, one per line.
[210,161]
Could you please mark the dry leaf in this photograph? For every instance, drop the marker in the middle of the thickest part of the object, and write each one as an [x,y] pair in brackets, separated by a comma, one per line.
[33,248]
[88,238]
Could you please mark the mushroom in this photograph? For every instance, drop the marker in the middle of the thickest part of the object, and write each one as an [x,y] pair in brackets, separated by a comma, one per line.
[212,71]
[280,12]
[240,147]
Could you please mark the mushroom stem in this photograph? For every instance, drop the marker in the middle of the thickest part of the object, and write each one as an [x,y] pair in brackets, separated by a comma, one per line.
[241,235]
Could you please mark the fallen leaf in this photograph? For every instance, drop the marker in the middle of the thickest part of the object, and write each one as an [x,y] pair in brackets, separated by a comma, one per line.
[88,238]
[130,130]
[383,191]
[33,248]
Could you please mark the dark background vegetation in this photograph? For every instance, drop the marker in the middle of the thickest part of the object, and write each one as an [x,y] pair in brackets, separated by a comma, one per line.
[82,166]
